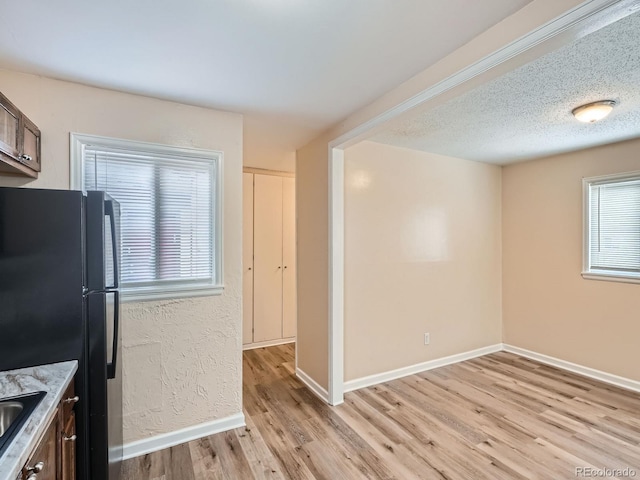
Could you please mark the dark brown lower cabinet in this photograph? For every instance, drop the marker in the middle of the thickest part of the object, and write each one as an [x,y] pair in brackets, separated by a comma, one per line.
[43,464]
[54,458]
[68,447]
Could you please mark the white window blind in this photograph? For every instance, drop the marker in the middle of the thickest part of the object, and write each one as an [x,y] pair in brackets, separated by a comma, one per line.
[614,226]
[168,225]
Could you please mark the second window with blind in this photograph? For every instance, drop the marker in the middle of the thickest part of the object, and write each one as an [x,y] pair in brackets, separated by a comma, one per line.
[612,227]
[170,202]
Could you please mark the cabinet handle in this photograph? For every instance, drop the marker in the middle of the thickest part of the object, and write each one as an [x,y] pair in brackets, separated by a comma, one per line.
[279,267]
[249,268]
[75,399]
[72,438]
[285,267]
[26,157]
[37,468]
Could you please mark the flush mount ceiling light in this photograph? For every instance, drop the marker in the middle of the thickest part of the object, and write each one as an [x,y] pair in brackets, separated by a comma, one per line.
[592,112]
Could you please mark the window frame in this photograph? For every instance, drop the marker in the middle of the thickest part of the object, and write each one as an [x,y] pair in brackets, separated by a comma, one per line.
[587,272]
[77,145]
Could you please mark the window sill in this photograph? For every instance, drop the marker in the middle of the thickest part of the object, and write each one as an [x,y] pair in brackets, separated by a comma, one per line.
[610,277]
[140,295]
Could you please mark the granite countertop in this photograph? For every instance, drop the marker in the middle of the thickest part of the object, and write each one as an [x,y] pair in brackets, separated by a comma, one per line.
[53,379]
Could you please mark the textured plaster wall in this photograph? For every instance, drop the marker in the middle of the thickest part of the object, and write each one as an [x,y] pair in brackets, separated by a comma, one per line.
[181,367]
[182,358]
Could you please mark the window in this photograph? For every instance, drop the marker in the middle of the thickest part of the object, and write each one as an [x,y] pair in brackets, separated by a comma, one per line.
[170,203]
[612,228]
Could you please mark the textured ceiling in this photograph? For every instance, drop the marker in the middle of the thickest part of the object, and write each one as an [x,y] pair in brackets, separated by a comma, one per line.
[300,65]
[526,113]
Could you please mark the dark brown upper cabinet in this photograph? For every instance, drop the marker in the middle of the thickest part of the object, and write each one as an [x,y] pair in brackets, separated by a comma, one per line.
[19,141]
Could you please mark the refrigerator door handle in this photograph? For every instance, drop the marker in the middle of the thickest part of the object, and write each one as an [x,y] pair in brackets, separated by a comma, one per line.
[109,212]
[111,367]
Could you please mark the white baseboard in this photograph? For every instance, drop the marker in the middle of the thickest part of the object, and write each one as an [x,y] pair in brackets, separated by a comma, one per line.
[605,377]
[312,385]
[171,439]
[370,380]
[268,343]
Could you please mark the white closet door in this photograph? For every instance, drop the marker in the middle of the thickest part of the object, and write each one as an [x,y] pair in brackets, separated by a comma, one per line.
[289,257]
[247,258]
[267,249]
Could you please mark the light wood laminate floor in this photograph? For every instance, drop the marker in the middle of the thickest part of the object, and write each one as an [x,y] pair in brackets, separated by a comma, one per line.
[495,417]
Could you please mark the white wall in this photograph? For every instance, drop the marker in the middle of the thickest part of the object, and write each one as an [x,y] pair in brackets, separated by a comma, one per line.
[181,358]
[422,254]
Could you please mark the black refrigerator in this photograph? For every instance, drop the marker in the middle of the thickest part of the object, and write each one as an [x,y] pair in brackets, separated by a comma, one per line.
[60,300]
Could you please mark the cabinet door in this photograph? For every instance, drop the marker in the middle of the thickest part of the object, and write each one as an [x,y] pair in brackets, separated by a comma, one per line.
[31,145]
[68,448]
[289,257]
[68,434]
[9,128]
[247,258]
[19,141]
[267,280]
[43,462]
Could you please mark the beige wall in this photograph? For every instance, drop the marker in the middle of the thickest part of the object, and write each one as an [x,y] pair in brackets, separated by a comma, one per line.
[263,147]
[312,186]
[548,307]
[422,254]
[278,161]
[181,358]
[313,264]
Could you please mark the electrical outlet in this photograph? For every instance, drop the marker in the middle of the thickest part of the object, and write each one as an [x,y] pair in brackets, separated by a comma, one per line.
[427,339]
